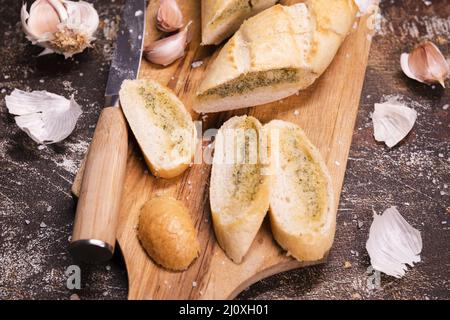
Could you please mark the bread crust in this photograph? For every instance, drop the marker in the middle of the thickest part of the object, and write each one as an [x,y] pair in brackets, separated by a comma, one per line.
[304,37]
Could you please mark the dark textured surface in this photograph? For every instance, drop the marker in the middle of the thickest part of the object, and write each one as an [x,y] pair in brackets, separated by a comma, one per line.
[414,176]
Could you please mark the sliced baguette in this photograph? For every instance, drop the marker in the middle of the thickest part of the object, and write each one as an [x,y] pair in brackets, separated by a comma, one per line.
[221,18]
[302,214]
[275,54]
[239,192]
[163,128]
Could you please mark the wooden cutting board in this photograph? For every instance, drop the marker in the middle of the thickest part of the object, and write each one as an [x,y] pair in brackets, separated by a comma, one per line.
[326,111]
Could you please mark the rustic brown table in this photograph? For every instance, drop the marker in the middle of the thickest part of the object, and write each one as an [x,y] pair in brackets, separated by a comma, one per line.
[37,210]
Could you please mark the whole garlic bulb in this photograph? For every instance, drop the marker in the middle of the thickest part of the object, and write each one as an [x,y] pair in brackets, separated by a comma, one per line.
[60,26]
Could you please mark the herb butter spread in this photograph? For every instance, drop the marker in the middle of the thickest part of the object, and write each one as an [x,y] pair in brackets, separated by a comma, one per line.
[247,175]
[166,115]
[309,182]
[251,81]
[242,5]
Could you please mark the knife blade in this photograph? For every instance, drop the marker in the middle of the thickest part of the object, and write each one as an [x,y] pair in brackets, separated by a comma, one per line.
[97,216]
[126,59]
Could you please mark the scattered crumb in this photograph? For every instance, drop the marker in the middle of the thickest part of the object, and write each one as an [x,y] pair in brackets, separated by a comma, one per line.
[196,64]
[108,268]
[443,222]
[445,106]
[138,13]
[356,296]
[347,265]
[360,224]
[49,208]
[27,221]
[337,163]
[296,113]
[42,81]
[194,284]
[105,293]
[42,225]
[74,297]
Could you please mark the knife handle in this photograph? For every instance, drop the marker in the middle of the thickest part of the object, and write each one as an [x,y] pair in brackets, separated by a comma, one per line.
[94,231]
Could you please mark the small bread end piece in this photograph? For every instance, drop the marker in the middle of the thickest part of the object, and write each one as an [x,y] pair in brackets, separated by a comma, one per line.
[167,233]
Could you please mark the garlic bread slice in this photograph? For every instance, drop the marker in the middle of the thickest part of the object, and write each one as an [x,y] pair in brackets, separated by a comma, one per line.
[275,54]
[221,18]
[239,189]
[302,214]
[161,124]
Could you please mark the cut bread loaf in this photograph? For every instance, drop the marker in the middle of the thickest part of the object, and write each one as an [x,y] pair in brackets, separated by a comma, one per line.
[239,190]
[221,18]
[275,54]
[302,214]
[163,128]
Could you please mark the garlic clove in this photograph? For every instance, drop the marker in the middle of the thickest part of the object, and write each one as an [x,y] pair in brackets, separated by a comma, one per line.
[392,122]
[167,50]
[82,15]
[44,116]
[426,64]
[43,18]
[393,243]
[169,17]
[60,26]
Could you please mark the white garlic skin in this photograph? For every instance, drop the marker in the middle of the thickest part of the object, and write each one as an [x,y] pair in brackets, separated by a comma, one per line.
[46,117]
[166,50]
[169,17]
[60,26]
[393,243]
[392,122]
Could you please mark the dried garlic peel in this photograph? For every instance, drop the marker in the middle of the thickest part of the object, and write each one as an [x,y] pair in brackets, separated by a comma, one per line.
[365,5]
[392,122]
[393,243]
[46,117]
